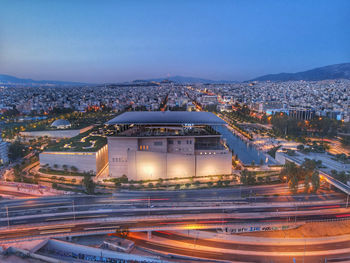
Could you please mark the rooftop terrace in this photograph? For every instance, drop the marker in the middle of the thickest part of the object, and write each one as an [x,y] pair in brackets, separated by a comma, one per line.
[167,118]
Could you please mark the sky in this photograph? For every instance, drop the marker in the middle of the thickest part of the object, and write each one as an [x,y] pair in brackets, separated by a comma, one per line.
[113,41]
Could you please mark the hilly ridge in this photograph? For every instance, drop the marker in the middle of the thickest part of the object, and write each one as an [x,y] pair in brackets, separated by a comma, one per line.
[337,71]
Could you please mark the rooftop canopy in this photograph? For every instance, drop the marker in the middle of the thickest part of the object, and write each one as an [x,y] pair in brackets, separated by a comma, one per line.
[167,117]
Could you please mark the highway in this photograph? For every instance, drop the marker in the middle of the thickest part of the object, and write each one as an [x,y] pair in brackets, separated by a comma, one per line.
[174,210]
[131,204]
[170,243]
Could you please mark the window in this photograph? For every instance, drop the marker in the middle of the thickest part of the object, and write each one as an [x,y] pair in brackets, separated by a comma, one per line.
[178,142]
[171,142]
[158,143]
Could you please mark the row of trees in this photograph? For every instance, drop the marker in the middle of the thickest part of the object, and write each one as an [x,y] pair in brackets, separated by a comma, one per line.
[293,174]
[284,125]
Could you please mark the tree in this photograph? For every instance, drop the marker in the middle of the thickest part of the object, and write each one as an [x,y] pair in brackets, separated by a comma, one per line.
[293,184]
[251,178]
[306,183]
[342,176]
[300,147]
[124,179]
[210,184]
[315,181]
[17,171]
[291,173]
[16,150]
[74,169]
[244,176]
[88,183]
[187,185]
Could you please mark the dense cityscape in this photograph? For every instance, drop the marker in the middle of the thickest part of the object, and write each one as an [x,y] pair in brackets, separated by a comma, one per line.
[123,165]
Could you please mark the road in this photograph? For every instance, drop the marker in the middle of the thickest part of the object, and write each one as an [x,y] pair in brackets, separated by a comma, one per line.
[171,243]
[69,215]
[225,201]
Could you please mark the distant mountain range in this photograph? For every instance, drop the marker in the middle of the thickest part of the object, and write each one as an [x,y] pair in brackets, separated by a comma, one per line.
[182,79]
[11,80]
[337,71]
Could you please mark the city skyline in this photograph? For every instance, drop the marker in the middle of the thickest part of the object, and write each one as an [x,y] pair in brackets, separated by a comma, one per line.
[119,41]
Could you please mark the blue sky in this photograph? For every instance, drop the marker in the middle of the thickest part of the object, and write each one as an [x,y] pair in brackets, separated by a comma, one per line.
[111,41]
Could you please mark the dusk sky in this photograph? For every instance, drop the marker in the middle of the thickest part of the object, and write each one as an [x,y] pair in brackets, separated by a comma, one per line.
[112,41]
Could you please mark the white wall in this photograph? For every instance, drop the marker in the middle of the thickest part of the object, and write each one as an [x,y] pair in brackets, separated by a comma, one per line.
[148,165]
[118,154]
[213,164]
[84,163]
[180,165]
[126,158]
[153,144]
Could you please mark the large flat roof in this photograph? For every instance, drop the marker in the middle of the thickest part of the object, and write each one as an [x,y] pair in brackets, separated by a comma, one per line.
[167,117]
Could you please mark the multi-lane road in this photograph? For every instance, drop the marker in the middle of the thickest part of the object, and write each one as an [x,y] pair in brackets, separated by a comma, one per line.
[166,211]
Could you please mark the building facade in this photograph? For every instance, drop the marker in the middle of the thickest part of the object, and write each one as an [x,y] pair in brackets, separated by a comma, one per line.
[94,162]
[153,145]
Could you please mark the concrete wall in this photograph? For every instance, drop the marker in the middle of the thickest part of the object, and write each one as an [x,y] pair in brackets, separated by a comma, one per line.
[213,164]
[148,165]
[83,161]
[118,154]
[153,145]
[181,145]
[102,158]
[180,165]
[63,246]
[164,160]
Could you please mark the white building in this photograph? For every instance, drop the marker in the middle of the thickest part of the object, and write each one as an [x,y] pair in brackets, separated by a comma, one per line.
[152,145]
